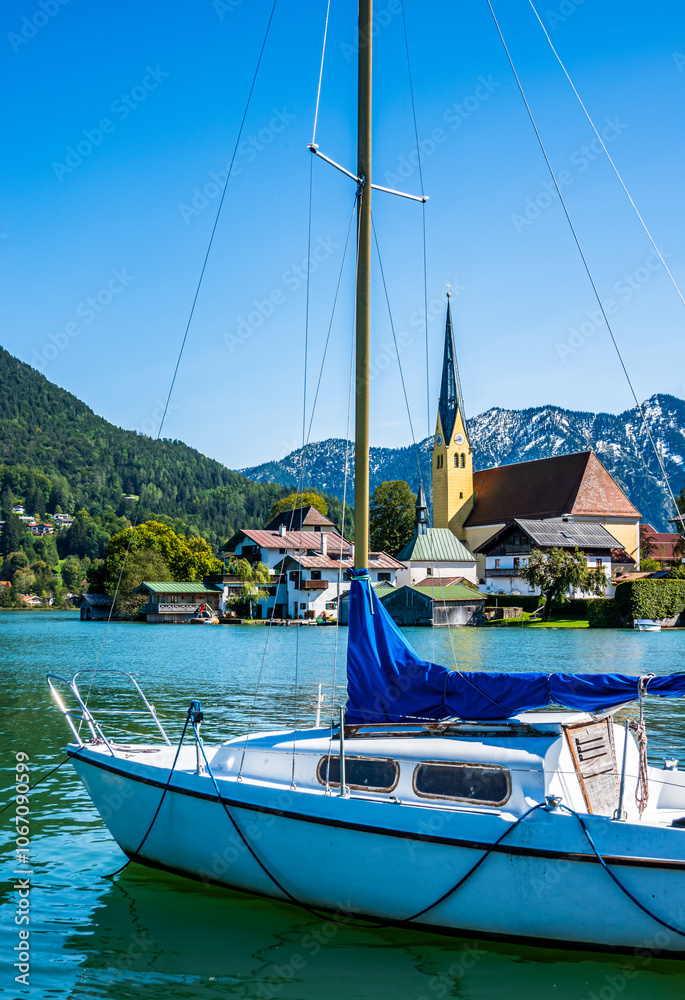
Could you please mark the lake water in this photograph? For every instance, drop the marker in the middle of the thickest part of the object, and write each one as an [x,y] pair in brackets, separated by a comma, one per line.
[155,935]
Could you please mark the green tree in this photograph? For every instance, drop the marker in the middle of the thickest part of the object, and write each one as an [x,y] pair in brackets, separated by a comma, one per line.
[391,517]
[143,564]
[646,544]
[296,500]
[649,565]
[187,559]
[248,595]
[72,573]
[43,574]
[15,563]
[13,533]
[557,570]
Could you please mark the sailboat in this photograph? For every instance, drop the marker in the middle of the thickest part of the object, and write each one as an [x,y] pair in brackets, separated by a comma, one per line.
[462,802]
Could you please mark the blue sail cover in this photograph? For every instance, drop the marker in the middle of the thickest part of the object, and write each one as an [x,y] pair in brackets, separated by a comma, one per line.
[388,682]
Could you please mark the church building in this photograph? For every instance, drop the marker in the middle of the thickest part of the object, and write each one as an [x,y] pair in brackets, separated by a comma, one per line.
[475,505]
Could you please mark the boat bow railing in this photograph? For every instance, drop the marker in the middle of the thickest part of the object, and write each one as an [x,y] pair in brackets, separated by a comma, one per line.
[82,714]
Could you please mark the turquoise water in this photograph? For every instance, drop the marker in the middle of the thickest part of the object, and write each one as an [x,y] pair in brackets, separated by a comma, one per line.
[155,935]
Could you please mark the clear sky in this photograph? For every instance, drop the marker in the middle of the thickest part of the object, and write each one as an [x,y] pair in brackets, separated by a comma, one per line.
[118,119]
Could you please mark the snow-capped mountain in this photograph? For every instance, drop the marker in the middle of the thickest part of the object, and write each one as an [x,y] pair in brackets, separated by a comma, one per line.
[503,437]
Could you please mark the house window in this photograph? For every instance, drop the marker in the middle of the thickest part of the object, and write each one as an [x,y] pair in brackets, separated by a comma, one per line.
[496,563]
[456,460]
[516,562]
[462,460]
[598,562]
[461,496]
[429,571]
[281,551]
[316,574]
[293,574]
[487,784]
[303,606]
[384,576]
[317,527]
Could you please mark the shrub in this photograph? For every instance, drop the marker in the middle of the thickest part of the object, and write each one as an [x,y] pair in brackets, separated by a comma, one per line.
[650,599]
[603,613]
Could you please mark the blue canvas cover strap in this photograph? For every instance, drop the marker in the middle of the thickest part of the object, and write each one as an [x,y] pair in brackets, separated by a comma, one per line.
[387,681]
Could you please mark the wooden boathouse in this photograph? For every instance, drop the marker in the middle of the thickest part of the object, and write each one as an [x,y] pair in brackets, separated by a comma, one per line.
[430,605]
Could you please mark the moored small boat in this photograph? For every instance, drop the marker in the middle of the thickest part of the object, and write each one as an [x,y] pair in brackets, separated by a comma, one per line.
[647,625]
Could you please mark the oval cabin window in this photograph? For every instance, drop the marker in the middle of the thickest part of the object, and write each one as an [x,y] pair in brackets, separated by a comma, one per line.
[371,774]
[485,784]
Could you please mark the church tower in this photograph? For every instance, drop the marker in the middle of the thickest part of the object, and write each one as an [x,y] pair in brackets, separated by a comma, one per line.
[452,456]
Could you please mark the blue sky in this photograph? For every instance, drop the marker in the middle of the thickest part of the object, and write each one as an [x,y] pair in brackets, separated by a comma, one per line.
[121,118]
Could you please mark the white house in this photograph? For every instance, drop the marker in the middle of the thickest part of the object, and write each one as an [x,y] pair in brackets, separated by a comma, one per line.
[315,581]
[507,552]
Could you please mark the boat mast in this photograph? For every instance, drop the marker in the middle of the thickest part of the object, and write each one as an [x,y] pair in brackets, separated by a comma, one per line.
[363,322]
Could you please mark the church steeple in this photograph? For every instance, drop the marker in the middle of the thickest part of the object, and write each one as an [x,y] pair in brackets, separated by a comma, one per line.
[451,399]
[421,518]
[452,456]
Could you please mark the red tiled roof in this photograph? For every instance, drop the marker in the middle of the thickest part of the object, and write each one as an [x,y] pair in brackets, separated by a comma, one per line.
[294,519]
[663,543]
[621,556]
[295,541]
[548,487]
[377,560]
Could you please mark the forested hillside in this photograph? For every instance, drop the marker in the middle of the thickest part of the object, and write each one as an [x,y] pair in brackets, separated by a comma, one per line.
[85,462]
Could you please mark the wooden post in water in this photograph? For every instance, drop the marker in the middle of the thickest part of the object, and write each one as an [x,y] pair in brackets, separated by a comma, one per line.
[361,411]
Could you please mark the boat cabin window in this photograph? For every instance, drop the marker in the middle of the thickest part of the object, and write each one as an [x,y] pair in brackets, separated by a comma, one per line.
[486,784]
[371,774]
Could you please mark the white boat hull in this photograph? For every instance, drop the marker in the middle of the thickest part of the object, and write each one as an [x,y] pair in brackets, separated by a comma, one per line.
[386,860]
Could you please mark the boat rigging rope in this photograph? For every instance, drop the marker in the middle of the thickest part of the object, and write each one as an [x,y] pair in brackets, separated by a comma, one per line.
[586,265]
[194,716]
[423,214]
[191,711]
[614,877]
[608,156]
[640,730]
[318,93]
[139,509]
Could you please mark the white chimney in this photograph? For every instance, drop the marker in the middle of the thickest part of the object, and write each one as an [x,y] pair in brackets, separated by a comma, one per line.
[324,543]
[281,530]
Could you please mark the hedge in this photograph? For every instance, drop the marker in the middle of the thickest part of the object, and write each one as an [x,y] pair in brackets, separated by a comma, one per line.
[603,613]
[650,599]
[638,599]
[575,608]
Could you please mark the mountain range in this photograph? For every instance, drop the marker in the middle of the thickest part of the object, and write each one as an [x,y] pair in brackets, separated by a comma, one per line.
[82,460]
[503,437]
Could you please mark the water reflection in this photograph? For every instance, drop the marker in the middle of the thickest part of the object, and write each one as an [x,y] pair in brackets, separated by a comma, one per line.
[163,937]
[173,938]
